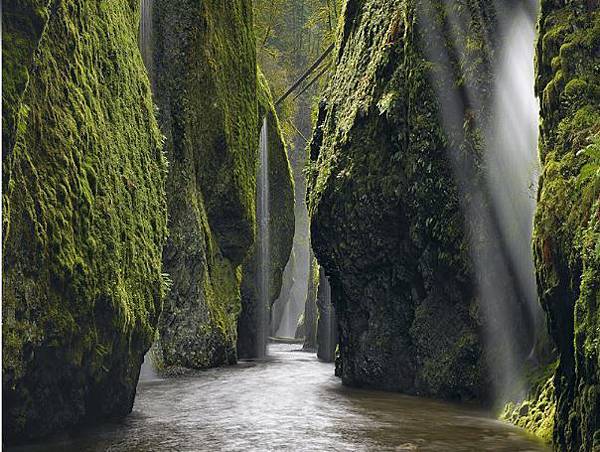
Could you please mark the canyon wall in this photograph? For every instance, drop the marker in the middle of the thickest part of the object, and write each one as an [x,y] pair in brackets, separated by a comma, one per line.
[206,87]
[400,218]
[567,221]
[84,214]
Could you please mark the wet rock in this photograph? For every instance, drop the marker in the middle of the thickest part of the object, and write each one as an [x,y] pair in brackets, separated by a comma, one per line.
[326,323]
[397,201]
[310,317]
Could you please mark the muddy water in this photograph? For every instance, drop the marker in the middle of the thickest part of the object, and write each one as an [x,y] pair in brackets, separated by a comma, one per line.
[289,401]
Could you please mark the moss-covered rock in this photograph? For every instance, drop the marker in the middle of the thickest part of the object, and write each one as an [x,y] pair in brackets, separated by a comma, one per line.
[536,412]
[567,221]
[84,214]
[206,88]
[399,212]
[281,232]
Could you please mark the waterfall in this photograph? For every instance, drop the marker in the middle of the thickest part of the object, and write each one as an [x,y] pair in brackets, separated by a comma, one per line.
[148,370]
[264,258]
[512,170]
[511,161]
[498,204]
[145,37]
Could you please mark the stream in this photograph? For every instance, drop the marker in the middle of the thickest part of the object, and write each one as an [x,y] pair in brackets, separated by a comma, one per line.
[288,401]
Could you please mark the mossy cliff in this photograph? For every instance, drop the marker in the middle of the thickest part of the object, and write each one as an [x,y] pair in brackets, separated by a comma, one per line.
[394,195]
[567,221]
[206,89]
[84,214]
[281,229]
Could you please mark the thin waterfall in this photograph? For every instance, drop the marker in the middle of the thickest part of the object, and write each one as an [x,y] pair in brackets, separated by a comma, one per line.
[147,371]
[264,257]
[145,36]
[511,161]
[498,206]
[294,308]
[512,170]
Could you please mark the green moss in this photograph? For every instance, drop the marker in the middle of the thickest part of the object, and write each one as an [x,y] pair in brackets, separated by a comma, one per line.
[566,235]
[207,96]
[82,273]
[384,199]
[536,412]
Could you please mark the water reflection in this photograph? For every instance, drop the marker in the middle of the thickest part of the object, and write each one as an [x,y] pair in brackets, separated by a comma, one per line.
[289,401]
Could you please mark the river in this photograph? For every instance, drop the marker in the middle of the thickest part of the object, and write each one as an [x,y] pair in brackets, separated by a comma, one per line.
[288,401]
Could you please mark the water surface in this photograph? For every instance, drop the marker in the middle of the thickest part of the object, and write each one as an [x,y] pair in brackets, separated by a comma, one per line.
[289,401]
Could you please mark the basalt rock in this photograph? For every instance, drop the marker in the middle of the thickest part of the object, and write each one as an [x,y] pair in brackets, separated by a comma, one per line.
[399,211]
[326,324]
[311,315]
[84,214]
[205,76]
[567,221]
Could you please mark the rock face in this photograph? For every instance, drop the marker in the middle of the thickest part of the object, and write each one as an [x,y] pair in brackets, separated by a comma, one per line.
[567,222]
[326,325]
[281,233]
[84,214]
[206,93]
[308,327]
[396,202]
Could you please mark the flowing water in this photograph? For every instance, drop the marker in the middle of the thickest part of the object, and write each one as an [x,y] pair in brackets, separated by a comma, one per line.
[145,36]
[512,160]
[288,401]
[264,257]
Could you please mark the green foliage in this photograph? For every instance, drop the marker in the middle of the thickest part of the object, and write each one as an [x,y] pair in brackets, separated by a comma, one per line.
[290,36]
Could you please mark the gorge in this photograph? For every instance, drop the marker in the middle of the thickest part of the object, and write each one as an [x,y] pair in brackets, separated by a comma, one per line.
[400,252]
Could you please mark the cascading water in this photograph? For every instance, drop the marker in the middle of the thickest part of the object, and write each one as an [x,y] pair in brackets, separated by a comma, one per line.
[511,161]
[148,371]
[264,258]
[497,205]
[512,170]
[145,36]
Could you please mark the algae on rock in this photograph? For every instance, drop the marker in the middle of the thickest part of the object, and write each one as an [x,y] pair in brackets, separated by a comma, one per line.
[567,221]
[84,214]
[206,88]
